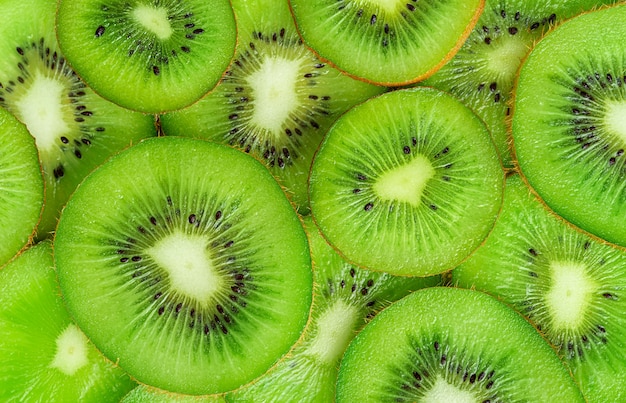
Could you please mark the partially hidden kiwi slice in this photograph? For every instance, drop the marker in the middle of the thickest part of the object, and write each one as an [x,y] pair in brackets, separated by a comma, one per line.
[346,298]
[185,263]
[21,186]
[44,356]
[389,42]
[148,55]
[567,284]
[461,346]
[276,101]
[408,182]
[482,72]
[75,130]
[146,394]
[568,121]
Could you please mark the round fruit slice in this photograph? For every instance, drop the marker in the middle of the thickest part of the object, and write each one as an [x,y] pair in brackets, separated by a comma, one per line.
[408,182]
[149,56]
[44,356]
[452,345]
[21,186]
[568,121]
[389,42]
[185,263]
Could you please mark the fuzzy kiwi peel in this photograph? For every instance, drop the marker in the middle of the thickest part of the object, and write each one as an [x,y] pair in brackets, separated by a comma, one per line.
[194,284]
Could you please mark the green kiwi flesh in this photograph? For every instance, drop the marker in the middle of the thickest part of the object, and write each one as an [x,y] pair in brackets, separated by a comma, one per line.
[276,101]
[408,182]
[21,186]
[346,297]
[483,71]
[566,283]
[149,56]
[44,356]
[184,262]
[146,394]
[461,346]
[388,42]
[75,129]
[568,125]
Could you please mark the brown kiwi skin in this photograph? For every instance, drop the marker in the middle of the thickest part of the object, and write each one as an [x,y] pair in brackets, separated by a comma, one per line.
[433,70]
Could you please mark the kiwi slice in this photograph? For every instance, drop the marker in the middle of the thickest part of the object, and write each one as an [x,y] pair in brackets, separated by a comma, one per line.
[21,186]
[146,394]
[388,42]
[482,72]
[568,121]
[148,55]
[461,346]
[75,130]
[568,284]
[44,356]
[276,101]
[185,263]
[408,182]
[346,297]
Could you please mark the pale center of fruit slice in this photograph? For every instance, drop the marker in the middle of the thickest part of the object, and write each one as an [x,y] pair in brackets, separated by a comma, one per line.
[615,119]
[274,92]
[188,265]
[387,5]
[569,294]
[335,329]
[154,19]
[71,352]
[40,109]
[443,392]
[504,58]
[405,183]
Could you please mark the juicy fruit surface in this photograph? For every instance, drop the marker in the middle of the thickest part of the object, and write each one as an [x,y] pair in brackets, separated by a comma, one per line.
[389,42]
[130,51]
[43,355]
[21,186]
[417,184]
[494,355]
[568,284]
[188,281]
[568,128]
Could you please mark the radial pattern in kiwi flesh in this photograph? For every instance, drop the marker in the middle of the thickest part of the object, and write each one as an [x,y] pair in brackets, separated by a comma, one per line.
[389,42]
[568,284]
[408,182]
[148,55]
[44,356]
[568,121]
[460,346]
[185,263]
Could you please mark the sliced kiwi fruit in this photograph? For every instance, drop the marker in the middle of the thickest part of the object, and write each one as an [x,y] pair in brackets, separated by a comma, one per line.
[483,71]
[346,298]
[566,283]
[44,356]
[461,346]
[568,121]
[408,182]
[75,130]
[388,42]
[276,101]
[185,263]
[21,186]
[146,394]
[148,55]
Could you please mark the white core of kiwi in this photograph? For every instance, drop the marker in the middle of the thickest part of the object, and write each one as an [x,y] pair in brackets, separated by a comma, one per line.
[405,183]
[441,391]
[274,92]
[188,265]
[504,57]
[387,5]
[71,351]
[334,332]
[40,108]
[153,19]
[615,118]
[570,294]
